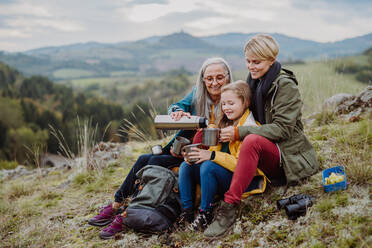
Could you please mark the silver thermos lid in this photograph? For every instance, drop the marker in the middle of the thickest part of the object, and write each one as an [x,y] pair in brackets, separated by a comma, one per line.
[185,123]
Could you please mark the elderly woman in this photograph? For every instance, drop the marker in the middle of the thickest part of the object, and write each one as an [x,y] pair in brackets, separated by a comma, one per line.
[202,101]
[279,147]
[205,96]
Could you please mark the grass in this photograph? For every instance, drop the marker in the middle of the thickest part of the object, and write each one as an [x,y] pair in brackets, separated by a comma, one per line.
[72,73]
[319,77]
[348,144]
[101,82]
[57,216]
[8,165]
[49,211]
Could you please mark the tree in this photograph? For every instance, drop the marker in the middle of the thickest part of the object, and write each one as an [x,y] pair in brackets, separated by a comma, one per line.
[22,138]
[36,87]
[11,114]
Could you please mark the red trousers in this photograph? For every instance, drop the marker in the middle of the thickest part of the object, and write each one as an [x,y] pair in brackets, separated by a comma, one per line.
[255,151]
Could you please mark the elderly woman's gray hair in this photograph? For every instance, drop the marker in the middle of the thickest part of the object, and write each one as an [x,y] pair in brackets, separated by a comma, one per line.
[201,99]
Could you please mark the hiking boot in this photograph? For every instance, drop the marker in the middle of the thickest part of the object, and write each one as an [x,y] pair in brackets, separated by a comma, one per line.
[115,227]
[105,216]
[186,217]
[202,221]
[225,218]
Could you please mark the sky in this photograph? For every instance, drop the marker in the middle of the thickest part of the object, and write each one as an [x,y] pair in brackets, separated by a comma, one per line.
[28,24]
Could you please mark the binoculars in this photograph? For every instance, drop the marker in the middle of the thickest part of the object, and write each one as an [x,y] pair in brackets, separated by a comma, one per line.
[296,205]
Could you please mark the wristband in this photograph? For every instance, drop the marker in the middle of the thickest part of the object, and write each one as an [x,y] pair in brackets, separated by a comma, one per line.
[213,155]
[236,133]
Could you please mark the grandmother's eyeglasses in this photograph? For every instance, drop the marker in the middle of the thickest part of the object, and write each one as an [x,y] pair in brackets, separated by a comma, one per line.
[220,78]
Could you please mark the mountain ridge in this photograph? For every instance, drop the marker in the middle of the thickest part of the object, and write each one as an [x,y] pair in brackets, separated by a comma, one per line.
[163,53]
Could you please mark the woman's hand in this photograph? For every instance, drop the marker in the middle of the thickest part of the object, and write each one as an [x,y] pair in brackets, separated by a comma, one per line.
[178,114]
[200,154]
[227,134]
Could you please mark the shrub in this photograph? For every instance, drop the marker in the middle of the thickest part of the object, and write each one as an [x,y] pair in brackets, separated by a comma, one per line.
[324,118]
[365,76]
[347,67]
[8,165]
[17,190]
[83,178]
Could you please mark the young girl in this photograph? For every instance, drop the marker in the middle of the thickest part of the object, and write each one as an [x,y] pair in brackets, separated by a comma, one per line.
[215,167]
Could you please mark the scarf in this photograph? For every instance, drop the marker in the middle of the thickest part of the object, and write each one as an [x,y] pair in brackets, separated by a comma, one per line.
[260,88]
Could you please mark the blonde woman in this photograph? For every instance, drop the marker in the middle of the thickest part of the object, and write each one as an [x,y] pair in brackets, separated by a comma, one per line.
[278,147]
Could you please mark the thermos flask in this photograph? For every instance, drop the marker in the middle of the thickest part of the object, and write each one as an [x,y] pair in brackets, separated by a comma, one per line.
[185,123]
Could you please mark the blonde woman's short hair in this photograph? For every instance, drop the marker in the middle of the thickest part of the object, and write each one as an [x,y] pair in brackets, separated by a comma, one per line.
[262,46]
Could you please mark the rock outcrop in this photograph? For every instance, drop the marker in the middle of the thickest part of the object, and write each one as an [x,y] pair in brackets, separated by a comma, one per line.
[351,107]
[100,155]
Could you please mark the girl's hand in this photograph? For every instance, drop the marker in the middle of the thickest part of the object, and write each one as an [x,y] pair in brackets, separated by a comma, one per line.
[178,114]
[173,154]
[200,154]
[227,134]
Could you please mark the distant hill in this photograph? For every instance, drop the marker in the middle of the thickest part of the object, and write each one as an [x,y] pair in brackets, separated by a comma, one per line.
[162,53]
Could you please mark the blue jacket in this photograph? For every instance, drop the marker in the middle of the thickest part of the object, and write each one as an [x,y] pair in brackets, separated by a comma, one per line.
[186,105]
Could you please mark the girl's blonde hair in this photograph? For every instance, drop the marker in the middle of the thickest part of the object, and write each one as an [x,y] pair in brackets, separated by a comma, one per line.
[243,92]
[262,46]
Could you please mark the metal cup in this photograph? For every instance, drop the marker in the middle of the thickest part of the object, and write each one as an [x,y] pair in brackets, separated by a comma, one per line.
[187,149]
[210,136]
[156,150]
[178,143]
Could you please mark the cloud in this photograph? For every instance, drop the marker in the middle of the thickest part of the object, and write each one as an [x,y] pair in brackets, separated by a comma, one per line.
[4,32]
[153,11]
[209,22]
[11,46]
[135,2]
[24,8]
[244,9]
[29,24]
[40,23]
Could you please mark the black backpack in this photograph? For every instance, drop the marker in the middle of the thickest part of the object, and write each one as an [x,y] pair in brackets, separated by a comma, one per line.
[155,205]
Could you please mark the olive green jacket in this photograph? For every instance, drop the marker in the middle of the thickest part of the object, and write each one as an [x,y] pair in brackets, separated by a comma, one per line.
[284,127]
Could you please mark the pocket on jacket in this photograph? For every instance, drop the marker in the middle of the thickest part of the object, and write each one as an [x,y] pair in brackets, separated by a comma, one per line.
[302,164]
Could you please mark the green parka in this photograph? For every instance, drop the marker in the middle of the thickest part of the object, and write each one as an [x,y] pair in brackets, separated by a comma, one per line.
[283,126]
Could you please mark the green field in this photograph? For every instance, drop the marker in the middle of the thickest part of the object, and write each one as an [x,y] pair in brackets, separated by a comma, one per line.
[318,81]
[72,73]
[122,82]
[311,76]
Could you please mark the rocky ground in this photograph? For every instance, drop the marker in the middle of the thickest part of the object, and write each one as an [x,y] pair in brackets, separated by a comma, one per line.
[49,206]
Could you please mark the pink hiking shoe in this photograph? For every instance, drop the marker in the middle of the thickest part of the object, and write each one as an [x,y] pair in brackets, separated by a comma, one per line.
[115,227]
[105,216]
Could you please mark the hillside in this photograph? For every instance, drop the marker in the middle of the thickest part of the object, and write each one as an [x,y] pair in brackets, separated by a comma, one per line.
[163,53]
[52,209]
[29,106]
[315,74]
[49,207]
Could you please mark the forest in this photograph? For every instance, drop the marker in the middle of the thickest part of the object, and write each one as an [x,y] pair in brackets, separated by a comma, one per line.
[31,106]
